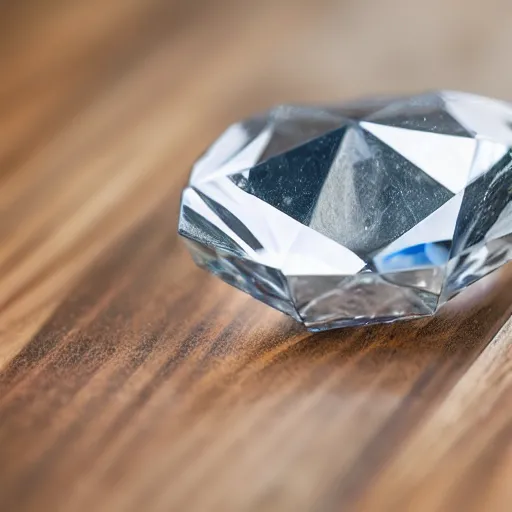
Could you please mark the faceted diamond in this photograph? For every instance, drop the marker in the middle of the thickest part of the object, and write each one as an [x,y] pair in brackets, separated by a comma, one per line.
[373,211]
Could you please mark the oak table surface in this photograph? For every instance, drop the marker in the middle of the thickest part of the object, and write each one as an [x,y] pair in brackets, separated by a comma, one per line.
[132,381]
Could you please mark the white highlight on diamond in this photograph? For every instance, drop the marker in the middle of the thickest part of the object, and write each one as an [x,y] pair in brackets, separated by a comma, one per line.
[196,204]
[315,254]
[445,158]
[484,117]
[274,230]
[488,153]
[235,153]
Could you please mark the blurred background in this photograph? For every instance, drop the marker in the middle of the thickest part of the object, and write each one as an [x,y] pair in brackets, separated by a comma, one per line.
[236,56]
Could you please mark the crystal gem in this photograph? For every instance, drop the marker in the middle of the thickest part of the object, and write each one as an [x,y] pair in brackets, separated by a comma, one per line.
[372,211]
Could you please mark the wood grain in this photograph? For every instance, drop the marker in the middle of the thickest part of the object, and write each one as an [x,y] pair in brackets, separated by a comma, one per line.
[130,380]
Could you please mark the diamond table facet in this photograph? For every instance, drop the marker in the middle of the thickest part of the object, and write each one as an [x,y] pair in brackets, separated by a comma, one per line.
[374,211]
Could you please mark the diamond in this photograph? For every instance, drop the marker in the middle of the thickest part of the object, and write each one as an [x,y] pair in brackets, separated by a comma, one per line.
[369,212]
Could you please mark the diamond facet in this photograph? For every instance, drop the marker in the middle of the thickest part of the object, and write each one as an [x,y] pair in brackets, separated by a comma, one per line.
[370,212]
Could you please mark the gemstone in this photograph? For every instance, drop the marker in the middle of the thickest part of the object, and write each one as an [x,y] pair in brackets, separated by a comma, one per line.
[373,211]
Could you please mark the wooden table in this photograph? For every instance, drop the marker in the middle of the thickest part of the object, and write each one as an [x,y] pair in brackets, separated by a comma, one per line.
[130,380]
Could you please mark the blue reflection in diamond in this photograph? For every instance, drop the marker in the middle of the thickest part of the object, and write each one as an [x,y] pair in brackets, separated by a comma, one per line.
[417,256]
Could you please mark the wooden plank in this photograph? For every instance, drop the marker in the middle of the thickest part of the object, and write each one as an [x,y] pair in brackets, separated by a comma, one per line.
[464,445]
[129,379]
